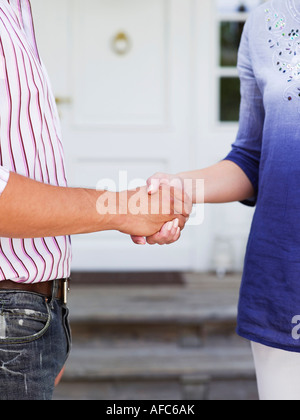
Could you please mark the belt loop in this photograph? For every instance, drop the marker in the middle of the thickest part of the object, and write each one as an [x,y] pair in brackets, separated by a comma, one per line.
[66,289]
[55,286]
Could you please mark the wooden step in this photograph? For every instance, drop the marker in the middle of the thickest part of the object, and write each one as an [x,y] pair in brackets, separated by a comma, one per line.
[201,297]
[161,342]
[195,374]
[202,308]
[89,363]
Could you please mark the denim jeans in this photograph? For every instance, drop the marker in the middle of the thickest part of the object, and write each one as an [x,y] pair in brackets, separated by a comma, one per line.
[35,342]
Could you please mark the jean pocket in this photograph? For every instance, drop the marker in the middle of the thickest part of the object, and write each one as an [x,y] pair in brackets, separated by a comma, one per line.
[18,326]
[67,328]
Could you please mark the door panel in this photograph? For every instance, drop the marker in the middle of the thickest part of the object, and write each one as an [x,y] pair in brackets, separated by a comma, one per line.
[125,112]
[114,88]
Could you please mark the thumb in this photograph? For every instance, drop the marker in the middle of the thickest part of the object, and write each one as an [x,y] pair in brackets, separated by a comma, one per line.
[153,185]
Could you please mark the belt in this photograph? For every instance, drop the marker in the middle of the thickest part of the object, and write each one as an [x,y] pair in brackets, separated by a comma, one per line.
[56,289]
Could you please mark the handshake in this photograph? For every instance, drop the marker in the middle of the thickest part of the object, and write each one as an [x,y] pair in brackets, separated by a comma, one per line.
[154,214]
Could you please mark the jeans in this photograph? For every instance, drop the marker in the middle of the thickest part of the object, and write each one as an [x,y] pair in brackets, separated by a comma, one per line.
[35,342]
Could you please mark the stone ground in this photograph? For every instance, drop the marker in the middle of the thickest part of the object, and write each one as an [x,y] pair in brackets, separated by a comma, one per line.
[151,342]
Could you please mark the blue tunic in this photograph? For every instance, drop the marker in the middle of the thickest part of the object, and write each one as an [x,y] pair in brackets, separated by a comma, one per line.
[267,149]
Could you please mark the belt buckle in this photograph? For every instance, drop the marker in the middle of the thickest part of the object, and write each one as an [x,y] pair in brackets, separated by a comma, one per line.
[66,289]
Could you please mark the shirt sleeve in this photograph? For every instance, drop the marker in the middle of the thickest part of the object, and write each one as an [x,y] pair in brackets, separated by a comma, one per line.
[4,177]
[246,151]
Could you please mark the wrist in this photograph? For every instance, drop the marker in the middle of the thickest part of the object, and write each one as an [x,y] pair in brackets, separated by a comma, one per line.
[108,210]
[119,217]
[194,185]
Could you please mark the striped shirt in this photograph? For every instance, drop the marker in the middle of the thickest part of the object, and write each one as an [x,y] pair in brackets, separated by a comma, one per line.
[30,142]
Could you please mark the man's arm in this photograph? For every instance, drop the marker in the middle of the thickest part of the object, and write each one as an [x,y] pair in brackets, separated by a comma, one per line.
[29,209]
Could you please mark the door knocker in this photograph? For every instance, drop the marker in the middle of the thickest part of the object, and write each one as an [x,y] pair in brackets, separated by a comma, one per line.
[121,44]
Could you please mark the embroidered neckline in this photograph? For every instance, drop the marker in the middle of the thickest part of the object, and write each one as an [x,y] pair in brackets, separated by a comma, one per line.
[285,44]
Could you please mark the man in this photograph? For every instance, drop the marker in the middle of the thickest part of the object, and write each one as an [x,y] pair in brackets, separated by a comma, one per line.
[38,212]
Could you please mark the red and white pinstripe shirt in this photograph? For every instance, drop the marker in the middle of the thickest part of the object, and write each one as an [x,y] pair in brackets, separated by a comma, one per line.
[30,142]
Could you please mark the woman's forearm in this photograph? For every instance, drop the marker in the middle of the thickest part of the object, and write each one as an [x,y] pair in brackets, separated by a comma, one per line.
[224,182]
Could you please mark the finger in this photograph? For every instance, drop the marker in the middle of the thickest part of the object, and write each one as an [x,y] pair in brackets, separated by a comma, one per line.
[157,237]
[173,236]
[182,221]
[59,377]
[149,180]
[177,235]
[175,225]
[183,205]
[167,235]
[155,182]
[164,181]
[154,239]
[138,240]
[162,237]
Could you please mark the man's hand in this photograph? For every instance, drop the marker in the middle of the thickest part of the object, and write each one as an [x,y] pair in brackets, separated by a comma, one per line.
[170,232]
[147,213]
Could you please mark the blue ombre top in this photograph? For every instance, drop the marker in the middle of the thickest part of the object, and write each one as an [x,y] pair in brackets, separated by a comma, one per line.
[268,150]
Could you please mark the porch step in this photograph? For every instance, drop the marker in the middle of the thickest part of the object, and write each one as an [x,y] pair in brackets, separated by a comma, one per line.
[92,364]
[159,373]
[200,311]
[162,343]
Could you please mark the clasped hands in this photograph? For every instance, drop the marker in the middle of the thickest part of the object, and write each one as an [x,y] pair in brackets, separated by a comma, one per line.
[168,191]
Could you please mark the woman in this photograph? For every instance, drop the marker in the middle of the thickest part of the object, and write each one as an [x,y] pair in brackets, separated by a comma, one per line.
[263,169]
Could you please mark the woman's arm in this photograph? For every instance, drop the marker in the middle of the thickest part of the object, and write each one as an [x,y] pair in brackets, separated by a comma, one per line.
[224,182]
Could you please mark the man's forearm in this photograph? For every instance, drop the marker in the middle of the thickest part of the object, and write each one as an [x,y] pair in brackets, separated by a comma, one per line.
[224,182]
[29,209]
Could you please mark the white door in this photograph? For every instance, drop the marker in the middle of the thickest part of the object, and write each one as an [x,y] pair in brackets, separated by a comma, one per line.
[122,71]
[140,89]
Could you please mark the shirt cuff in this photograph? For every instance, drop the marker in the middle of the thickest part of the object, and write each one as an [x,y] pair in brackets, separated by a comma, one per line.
[4,177]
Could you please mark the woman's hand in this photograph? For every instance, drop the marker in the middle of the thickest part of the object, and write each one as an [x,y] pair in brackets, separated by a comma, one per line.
[169,233]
